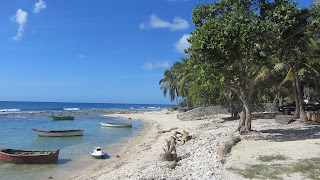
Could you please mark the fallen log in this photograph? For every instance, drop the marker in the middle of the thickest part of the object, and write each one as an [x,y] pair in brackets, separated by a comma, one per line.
[226,146]
[164,131]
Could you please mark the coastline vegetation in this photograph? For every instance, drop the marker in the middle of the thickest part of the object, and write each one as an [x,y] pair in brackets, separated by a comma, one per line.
[245,52]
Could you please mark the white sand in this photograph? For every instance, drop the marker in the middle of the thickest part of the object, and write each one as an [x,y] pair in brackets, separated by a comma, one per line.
[141,158]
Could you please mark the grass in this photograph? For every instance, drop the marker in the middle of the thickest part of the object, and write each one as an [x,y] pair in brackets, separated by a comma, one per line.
[308,167]
[272,158]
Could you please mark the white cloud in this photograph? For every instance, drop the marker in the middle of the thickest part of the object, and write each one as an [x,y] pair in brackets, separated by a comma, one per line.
[150,66]
[21,19]
[182,44]
[39,6]
[155,22]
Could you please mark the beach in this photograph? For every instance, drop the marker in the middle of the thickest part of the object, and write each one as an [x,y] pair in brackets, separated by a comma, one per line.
[140,157]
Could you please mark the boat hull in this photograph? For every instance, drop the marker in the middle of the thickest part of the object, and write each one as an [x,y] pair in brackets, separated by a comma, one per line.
[116,125]
[28,157]
[65,133]
[62,117]
[98,156]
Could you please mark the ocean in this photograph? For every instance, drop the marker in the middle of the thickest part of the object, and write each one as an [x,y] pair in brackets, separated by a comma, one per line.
[17,119]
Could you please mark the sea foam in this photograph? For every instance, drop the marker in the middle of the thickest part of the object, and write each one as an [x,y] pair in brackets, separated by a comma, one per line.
[71,109]
[9,110]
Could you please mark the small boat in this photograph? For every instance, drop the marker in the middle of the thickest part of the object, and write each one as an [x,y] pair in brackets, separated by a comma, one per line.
[62,117]
[119,125]
[28,157]
[63,133]
[98,153]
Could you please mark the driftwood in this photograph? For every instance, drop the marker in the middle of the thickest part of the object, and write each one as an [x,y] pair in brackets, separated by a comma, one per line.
[226,146]
[183,137]
[173,165]
[170,153]
[164,131]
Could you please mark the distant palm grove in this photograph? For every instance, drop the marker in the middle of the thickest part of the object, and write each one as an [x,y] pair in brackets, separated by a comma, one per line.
[249,51]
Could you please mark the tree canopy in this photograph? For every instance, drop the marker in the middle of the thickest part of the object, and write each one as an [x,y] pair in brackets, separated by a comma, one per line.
[235,44]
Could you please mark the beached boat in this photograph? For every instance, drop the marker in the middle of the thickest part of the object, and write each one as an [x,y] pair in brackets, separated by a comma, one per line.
[119,125]
[98,153]
[63,133]
[28,157]
[62,117]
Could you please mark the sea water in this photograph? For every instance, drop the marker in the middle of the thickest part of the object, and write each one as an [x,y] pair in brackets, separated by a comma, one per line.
[18,118]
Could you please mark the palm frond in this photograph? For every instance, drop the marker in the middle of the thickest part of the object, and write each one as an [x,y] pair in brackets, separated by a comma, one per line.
[288,76]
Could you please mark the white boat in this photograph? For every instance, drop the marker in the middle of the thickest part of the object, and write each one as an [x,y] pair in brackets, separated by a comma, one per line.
[120,125]
[63,133]
[98,153]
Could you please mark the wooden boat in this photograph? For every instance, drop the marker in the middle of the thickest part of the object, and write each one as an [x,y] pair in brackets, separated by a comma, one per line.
[63,133]
[98,153]
[62,117]
[118,125]
[28,157]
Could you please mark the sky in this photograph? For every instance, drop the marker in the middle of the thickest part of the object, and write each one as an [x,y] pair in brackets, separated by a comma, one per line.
[102,51]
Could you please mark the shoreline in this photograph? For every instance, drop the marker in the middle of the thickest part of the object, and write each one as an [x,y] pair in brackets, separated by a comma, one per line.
[143,153]
[198,157]
[126,150]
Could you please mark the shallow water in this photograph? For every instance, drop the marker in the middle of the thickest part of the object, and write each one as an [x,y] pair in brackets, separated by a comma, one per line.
[16,133]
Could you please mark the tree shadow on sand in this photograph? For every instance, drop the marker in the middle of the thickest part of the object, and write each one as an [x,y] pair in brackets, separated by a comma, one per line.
[254,116]
[311,130]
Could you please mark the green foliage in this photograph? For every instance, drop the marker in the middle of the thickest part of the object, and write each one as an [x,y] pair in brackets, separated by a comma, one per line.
[238,45]
[227,45]
[174,108]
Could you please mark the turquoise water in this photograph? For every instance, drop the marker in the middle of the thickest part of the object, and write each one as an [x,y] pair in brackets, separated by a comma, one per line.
[16,133]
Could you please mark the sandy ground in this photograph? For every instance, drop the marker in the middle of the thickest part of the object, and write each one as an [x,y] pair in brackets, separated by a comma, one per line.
[140,159]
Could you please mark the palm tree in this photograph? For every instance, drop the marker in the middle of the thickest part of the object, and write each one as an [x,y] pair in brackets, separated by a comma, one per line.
[168,83]
[176,79]
[184,75]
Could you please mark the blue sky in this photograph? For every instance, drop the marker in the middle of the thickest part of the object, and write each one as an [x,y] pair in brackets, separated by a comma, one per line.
[91,51]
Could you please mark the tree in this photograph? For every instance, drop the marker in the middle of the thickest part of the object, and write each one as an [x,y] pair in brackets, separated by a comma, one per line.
[228,44]
[290,29]
[184,75]
[168,84]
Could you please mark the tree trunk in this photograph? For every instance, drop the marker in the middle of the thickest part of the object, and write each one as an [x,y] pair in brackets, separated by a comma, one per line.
[177,99]
[303,116]
[278,100]
[296,96]
[229,97]
[186,99]
[245,118]
[281,101]
[317,88]
[225,147]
